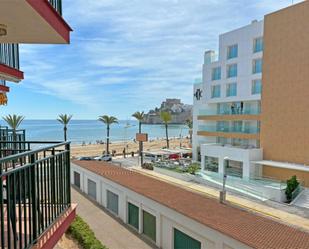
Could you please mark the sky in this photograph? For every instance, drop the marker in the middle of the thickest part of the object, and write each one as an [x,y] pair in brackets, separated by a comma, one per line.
[126,56]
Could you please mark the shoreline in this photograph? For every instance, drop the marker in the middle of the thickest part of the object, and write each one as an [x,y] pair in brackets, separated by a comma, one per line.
[129,146]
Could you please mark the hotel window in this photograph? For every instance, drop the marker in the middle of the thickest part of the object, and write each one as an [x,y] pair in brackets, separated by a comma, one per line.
[216,73]
[231,90]
[258,45]
[215,91]
[232,51]
[257,66]
[232,71]
[256,87]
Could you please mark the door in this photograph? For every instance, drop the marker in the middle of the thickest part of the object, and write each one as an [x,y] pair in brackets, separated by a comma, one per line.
[92,189]
[149,225]
[112,202]
[133,215]
[76,179]
[184,241]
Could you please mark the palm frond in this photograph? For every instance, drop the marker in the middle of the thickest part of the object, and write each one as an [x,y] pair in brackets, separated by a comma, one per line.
[166,117]
[139,116]
[14,120]
[64,118]
[108,120]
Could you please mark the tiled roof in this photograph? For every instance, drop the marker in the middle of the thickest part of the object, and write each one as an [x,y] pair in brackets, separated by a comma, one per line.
[251,229]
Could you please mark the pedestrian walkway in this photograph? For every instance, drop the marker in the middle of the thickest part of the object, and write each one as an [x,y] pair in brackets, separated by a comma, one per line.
[109,231]
[257,207]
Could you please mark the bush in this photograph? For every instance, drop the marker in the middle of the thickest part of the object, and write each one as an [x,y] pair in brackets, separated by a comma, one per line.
[193,168]
[147,166]
[80,231]
[292,184]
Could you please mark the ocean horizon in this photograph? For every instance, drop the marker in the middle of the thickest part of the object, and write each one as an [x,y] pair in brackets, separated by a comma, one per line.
[91,131]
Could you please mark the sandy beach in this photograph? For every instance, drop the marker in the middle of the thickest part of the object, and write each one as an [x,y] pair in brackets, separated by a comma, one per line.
[97,149]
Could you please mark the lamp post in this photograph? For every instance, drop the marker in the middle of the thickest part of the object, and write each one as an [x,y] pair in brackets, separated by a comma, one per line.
[223,191]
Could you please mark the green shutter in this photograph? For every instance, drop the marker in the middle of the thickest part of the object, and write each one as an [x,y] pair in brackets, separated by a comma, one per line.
[133,215]
[76,179]
[112,202]
[183,241]
[149,225]
[92,189]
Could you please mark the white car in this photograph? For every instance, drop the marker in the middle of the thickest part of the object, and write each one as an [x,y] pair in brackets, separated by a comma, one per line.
[106,158]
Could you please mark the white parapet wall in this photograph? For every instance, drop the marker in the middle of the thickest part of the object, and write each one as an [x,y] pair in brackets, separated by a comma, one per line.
[166,219]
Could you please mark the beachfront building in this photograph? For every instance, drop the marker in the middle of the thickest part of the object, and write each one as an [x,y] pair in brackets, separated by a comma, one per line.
[35,202]
[171,217]
[251,109]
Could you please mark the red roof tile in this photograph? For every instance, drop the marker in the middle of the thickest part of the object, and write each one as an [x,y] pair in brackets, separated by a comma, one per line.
[251,229]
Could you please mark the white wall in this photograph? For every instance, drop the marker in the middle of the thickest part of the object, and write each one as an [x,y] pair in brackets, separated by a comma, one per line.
[166,219]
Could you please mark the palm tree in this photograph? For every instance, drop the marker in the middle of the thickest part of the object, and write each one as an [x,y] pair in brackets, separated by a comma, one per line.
[166,118]
[108,120]
[140,117]
[14,122]
[189,123]
[64,119]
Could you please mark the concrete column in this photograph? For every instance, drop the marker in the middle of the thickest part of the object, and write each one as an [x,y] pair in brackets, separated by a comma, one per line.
[246,170]
[158,230]
[221,165]
[140,219]
[203,162]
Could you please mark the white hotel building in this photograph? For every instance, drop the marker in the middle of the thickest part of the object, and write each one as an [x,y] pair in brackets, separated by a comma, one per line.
[226,120]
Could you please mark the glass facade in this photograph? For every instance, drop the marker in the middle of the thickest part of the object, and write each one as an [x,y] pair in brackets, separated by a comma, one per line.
[212,164]
[232,71]
[232,51]
[215,91]
[258,45]
[231,90]
[256,87]
[216,73]
[257,66]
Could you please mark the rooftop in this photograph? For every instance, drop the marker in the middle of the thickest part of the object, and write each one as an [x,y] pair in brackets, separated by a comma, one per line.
[251,229]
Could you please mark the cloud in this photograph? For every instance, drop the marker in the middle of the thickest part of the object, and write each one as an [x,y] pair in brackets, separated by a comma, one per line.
[127,55]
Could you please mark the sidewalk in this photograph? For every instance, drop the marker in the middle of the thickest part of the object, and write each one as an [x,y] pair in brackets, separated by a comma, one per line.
[280,215]
[108,230]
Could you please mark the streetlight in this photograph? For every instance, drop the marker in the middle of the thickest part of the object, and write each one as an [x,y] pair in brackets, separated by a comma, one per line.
[223,191]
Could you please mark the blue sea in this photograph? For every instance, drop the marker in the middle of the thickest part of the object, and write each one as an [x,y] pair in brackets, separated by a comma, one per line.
[90,131]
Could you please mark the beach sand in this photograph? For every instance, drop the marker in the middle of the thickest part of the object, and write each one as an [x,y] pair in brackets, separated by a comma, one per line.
[97,149]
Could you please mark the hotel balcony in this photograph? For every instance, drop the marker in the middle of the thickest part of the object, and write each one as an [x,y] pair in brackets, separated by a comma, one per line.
[248,113]
[33,21]
[9,64]
[35,199]
[229,132]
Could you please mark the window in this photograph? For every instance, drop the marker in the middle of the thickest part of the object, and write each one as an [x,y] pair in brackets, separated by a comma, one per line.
[257,66]
[231,90]
[149,225]
[256,87]
[232,71]
[215,91]
[232,51]
[133,215]
[216,73]
[222,126]
[112,202]
[258,45]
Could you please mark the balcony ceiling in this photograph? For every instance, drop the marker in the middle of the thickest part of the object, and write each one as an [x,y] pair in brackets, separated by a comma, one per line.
[32,22]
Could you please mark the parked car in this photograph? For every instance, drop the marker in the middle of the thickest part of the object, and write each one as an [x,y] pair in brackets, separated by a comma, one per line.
[84,158]
[106,158]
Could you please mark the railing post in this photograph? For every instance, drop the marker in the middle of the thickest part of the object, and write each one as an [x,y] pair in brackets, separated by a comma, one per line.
[68,168]
[33,198]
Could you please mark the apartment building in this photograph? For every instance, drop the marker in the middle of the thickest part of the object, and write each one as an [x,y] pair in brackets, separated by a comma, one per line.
[248,122]
[35,200]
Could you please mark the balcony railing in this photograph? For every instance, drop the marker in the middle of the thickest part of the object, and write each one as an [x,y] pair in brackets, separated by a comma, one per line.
[236,111]
[249,130]
[34,192]
[57,5]
[7,136]
[9,55]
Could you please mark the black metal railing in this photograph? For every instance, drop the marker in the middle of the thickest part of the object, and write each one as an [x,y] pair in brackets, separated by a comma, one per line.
[9,135]
[57,5]
[34,192]
[9,55]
